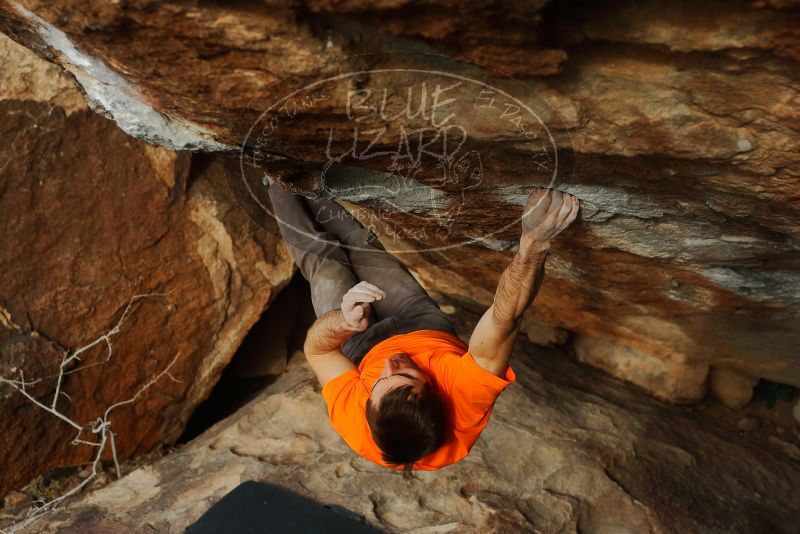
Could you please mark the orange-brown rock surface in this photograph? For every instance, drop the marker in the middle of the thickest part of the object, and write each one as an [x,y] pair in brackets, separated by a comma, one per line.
[92,217]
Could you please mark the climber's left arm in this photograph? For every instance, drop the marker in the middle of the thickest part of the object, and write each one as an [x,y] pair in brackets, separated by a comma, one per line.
[322,344]
[546,214]
[330,330]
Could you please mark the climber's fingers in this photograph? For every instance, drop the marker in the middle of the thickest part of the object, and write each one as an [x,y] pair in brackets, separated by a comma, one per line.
[364,292]
[564,210]
[576,206]
[568,211]
[359,311]
[538,202]
[371,288]
[352,298]
[548,212]
[356,315]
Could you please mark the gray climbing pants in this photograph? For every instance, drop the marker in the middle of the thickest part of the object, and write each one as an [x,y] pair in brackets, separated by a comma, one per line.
[334,252]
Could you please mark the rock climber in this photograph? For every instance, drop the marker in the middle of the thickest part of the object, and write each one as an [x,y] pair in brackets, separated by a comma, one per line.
[401,388]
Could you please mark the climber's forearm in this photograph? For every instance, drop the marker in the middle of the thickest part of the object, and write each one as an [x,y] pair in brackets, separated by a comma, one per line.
[547,212]
[519,284]
[325,337]
[322,344]
[493,339]
[327,334]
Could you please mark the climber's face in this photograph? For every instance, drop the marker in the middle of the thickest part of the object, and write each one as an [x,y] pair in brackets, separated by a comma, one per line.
[398,370]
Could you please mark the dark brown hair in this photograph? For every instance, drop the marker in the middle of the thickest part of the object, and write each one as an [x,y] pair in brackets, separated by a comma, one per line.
[407,425]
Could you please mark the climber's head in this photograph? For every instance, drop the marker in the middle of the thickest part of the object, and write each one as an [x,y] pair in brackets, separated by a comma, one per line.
[405,413]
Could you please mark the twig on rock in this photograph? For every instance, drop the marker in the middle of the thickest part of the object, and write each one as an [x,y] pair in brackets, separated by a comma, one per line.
[101,426]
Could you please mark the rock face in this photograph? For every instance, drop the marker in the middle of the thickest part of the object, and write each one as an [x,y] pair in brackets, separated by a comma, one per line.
[673,381]
[677,130]
[92,217]
[732,388]
[590,455]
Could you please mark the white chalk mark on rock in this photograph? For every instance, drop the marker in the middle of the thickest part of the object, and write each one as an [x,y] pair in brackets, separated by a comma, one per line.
[114,97]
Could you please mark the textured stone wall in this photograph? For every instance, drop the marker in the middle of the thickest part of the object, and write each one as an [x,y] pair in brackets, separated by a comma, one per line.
[590,455]
[92,217]
[676,126]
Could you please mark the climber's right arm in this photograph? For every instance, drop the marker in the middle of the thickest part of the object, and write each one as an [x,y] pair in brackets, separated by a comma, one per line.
[546,214]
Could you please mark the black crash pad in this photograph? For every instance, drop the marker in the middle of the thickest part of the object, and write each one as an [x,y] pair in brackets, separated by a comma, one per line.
[255,507]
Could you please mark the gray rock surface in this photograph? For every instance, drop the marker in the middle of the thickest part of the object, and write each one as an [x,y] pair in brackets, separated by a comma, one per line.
[567,450]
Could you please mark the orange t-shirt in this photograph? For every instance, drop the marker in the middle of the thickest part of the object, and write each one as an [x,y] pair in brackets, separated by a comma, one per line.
[468,389]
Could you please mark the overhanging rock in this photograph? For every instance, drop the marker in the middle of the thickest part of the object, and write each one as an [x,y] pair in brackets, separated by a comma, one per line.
[677,130]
